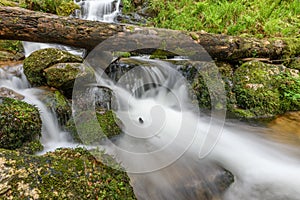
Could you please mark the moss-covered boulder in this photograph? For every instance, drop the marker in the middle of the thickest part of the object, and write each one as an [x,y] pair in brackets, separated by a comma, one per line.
[20,122]
[62,76]
[57,102]
[264,90]
[11,50]
[35,64]
[89,127]
[63,174]
[59,7]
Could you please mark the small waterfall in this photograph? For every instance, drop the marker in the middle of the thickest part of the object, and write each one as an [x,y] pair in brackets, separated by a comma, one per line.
[171,130]
[52,135]
[98,10]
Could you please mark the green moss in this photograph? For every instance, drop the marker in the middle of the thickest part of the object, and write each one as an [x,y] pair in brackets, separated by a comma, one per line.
[56,101]
[59,7]
[89,127]
[254,86]
[42,59]
[31,147]
[63,174]
[266,90]
[122,54]
[19,123]
[210,94]
[11,46]
[7,3]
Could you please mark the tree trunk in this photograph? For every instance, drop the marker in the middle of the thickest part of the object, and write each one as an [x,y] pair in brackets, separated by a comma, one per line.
[26,25]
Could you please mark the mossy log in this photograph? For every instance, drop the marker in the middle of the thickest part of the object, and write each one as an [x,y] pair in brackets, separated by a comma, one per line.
[26,25]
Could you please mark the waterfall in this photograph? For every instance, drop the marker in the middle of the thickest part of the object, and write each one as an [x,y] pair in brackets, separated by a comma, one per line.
[163,148]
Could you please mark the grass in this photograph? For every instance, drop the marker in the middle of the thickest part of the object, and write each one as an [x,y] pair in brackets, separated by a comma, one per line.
[270,18]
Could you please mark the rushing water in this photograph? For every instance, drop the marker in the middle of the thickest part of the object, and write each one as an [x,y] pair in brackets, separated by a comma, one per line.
[263,169]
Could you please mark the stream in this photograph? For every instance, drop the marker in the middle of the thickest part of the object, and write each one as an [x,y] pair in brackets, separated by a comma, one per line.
[164,132]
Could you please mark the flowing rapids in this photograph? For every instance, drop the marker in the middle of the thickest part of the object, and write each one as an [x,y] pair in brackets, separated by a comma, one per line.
[166,142]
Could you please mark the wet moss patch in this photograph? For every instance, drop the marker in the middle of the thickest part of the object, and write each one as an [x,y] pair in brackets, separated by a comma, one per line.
[20,122]
[63,174]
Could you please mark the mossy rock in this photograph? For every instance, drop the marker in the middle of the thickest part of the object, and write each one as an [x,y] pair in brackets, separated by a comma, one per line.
[35,64]
[107,121]
[31,147]
[264,90]
[63,174]
[56,101]
[210,94]
[59,7]
[20,122]
[62,76]
[13,46]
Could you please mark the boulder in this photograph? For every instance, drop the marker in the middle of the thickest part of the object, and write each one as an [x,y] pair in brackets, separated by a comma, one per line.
[264,90]
[20,122]
[62,76]
[35,64]
[63,174]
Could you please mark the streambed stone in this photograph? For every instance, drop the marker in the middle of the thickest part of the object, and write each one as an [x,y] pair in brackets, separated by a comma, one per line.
[6,92]
[63,174]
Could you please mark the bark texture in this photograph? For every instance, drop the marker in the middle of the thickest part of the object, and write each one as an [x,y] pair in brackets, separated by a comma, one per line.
[26,25]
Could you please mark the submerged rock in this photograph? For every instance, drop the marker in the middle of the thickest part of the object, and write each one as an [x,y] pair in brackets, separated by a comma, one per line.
[63,174]
[38,61]
[20,122]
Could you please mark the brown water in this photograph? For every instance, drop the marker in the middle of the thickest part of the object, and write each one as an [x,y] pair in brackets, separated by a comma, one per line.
[286,128]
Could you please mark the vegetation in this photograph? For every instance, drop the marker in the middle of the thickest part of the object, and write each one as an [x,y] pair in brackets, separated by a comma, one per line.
[264,90]
[250,17]
[59,7]
[63,174]
[19,123]
[88,127]
[35,64]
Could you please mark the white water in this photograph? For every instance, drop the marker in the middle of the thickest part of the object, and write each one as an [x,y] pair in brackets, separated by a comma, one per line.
[99,10]
[52,135]
[263,169]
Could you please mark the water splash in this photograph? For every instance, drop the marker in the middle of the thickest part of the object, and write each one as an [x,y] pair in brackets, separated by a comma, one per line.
[263,169]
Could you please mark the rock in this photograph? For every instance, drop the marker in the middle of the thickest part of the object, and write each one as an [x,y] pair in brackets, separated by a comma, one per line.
[264,90]
[5,92]
[89,128]
[54,100]
[38,61]
[20,122]
[63,174]
[62,76]
[11,50]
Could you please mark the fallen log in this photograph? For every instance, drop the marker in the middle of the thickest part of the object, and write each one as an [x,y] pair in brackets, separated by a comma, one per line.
[21,24]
